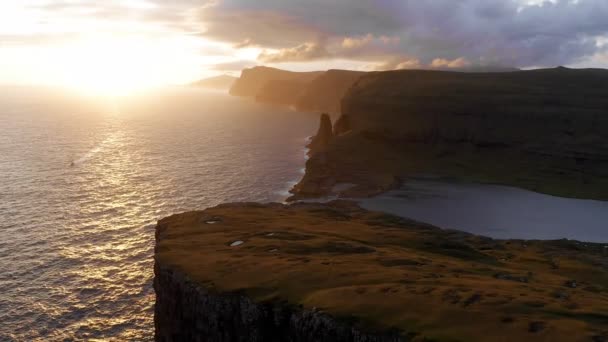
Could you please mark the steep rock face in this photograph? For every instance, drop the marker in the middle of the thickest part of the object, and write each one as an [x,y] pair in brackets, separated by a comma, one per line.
[519,108]
[543,130]
[306,91]
[186,311]
[323,137]
[325,92]
[281,92]
[342,125]
[253,80]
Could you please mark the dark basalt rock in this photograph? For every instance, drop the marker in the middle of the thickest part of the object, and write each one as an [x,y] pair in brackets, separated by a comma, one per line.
[324,135]
[544,128]
[342,125]
[186,311]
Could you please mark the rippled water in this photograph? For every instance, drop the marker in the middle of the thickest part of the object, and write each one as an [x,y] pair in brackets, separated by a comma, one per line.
[77,240]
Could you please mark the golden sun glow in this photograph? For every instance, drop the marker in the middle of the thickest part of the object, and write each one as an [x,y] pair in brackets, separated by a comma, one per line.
[111,66]
[129,51]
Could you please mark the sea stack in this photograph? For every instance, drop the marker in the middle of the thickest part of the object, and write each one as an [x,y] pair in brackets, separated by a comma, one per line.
[324,135]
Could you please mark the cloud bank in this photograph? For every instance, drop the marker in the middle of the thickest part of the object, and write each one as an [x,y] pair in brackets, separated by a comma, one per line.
[413,33]
[226,35]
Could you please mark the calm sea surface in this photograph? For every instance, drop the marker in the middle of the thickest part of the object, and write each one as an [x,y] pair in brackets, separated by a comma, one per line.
[77,240]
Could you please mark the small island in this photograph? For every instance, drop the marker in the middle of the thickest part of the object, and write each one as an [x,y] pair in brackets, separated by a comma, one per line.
[336,272]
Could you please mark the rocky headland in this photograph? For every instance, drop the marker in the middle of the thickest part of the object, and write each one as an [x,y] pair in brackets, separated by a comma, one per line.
[304,91]
[222,82]
[253,80]
[336,272]
[542,130]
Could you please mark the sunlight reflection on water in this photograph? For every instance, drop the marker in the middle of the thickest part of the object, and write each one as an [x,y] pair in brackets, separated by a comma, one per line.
[76,254]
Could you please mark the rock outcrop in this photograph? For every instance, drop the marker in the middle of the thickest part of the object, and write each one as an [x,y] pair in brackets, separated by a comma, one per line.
[542,130]
[323,137]
[334,272]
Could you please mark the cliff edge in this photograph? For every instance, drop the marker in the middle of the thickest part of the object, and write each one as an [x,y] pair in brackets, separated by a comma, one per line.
[542,130]
[336,272]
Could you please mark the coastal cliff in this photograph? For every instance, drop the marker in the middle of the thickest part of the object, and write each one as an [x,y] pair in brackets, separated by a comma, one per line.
[222,82]
[281,92]
[187,311]
[259,272]
[304,91]
[325,93]
[542,130]
[253,80]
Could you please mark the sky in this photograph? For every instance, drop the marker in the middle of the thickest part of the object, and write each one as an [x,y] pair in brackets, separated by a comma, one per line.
[131,44]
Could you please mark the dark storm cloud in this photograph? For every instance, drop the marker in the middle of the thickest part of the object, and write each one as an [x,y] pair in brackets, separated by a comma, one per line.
[504,32]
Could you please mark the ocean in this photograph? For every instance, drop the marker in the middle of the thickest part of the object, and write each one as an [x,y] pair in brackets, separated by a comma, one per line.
[83,181]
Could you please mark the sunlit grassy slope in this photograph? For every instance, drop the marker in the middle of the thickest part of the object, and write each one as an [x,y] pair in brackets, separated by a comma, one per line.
[383,272]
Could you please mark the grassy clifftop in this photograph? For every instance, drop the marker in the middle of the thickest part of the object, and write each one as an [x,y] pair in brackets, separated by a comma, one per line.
[543,130]
[380,272]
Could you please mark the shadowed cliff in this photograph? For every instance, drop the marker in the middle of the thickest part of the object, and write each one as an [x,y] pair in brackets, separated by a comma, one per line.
[281,92]
[253,80]
[542,130]
[325,93]
[304,91]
